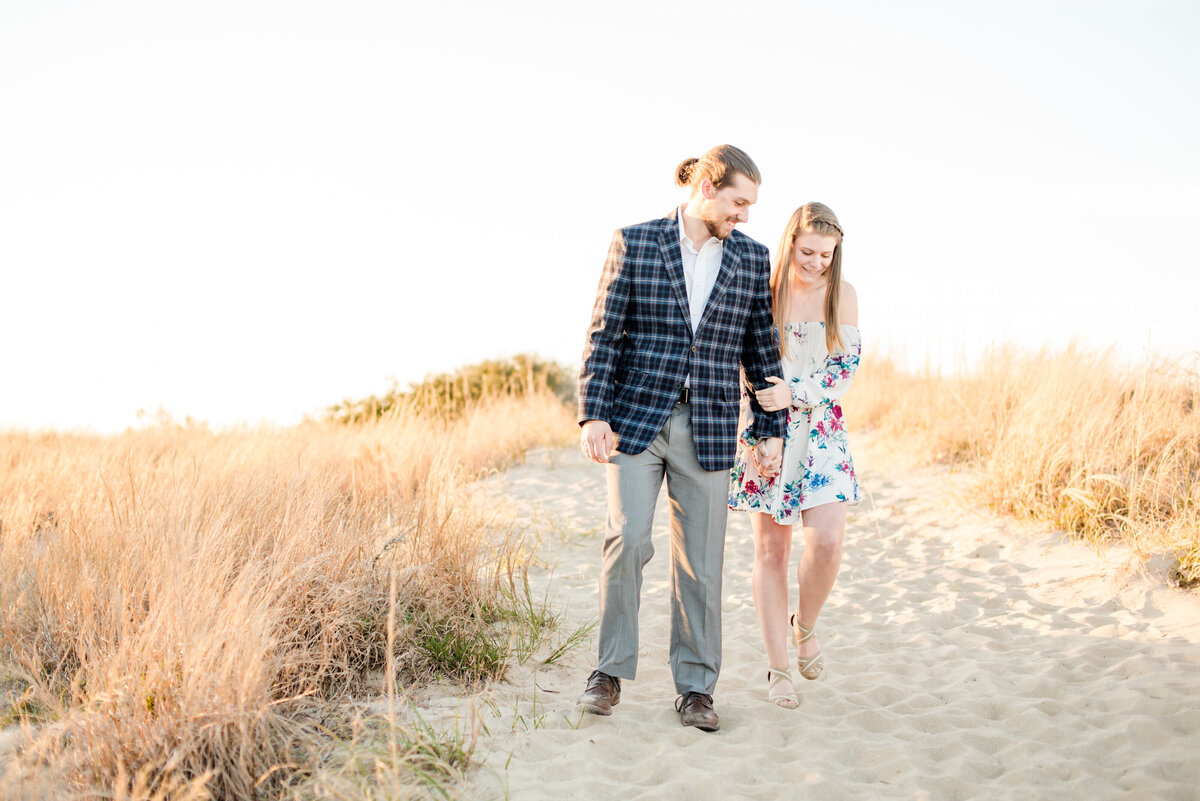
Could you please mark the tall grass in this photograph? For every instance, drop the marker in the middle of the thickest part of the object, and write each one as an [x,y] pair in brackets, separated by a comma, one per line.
[185,609]
[1106,450]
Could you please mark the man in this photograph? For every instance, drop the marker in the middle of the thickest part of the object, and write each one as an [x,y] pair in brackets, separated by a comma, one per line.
[683,301]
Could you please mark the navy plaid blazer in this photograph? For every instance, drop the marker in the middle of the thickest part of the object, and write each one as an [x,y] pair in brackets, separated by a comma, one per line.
[640,344]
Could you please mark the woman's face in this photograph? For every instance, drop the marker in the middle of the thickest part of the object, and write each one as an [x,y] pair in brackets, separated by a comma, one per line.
[811,255]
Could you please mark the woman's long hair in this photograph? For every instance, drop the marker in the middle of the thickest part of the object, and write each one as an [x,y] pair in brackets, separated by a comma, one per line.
[819,219]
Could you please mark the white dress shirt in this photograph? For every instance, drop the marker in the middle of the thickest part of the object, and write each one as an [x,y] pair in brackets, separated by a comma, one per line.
[700,268]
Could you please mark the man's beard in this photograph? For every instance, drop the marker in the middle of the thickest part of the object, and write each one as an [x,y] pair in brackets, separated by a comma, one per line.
[714,228]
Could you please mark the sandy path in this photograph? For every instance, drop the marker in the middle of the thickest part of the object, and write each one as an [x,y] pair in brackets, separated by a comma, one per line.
[967,657]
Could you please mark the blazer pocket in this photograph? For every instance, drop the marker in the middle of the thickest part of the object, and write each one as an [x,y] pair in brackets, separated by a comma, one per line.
[628,389]
[631,378]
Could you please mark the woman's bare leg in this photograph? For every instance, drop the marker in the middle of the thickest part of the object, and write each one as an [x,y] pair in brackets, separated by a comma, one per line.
[769,582]
[824,533]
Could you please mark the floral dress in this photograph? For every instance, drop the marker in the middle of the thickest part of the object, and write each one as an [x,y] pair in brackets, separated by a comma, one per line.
[817,468]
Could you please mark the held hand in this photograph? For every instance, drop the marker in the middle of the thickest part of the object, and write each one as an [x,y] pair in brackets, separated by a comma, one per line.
[596,441]
[775,397]
[768,456]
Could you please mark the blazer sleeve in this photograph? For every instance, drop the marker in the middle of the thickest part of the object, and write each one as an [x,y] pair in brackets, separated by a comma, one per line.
[760,357]
[601,347]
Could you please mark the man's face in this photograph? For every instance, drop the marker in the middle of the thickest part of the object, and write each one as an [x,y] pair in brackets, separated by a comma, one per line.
[722,209]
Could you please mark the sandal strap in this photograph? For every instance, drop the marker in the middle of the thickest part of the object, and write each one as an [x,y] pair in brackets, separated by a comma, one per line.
[811,665]
[806,662]
[776,675]
[806,633]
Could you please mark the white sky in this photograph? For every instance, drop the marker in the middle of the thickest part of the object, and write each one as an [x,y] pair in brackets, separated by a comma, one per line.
[245,211]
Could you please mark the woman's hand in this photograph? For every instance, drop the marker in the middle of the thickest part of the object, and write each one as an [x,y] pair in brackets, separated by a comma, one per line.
[775,397]
[768,456]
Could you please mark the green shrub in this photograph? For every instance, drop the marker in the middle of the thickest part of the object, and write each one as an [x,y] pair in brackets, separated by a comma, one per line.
[449,394]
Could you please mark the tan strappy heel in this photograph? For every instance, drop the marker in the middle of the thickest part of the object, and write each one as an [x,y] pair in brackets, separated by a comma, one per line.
[784,700]
[810,667]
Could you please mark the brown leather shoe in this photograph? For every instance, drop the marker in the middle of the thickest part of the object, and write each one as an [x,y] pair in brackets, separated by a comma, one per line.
[696,709]
[602,694]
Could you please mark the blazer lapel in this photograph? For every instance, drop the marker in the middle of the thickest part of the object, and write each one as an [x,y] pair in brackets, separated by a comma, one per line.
[668,243]
[731,257]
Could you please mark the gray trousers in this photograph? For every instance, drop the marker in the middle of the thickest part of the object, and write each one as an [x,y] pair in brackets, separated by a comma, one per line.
[698,512]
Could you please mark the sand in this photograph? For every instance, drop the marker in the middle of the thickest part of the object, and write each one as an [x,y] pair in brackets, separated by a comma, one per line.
[967,656]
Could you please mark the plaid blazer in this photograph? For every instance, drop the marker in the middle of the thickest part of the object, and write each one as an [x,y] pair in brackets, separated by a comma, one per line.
[640,344]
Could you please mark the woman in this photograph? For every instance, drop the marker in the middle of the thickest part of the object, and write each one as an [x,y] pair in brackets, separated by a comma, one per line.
[816,316]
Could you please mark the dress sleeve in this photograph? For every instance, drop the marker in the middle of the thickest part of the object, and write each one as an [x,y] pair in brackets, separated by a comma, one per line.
[832,379]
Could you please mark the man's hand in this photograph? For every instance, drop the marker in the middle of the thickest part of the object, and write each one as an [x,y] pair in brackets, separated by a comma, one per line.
[596,440]
[768,456]
[775,397]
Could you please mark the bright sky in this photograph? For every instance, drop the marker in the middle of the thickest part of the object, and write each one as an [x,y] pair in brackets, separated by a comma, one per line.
[246,211]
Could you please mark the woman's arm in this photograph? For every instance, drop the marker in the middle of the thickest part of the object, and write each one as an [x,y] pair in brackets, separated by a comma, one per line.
[833,379]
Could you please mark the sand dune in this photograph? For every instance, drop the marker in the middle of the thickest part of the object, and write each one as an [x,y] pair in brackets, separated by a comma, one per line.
[967,657]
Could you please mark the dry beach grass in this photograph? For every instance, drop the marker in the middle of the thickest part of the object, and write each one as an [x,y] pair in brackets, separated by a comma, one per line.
[1107,451]
[191,614]
[188,613]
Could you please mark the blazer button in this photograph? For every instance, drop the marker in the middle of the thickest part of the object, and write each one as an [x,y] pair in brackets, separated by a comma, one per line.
[694,348]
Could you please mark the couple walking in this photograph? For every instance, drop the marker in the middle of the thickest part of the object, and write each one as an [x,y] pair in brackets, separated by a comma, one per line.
[684,302]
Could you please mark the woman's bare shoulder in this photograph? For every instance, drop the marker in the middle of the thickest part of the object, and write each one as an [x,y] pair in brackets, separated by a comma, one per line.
[848,305]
